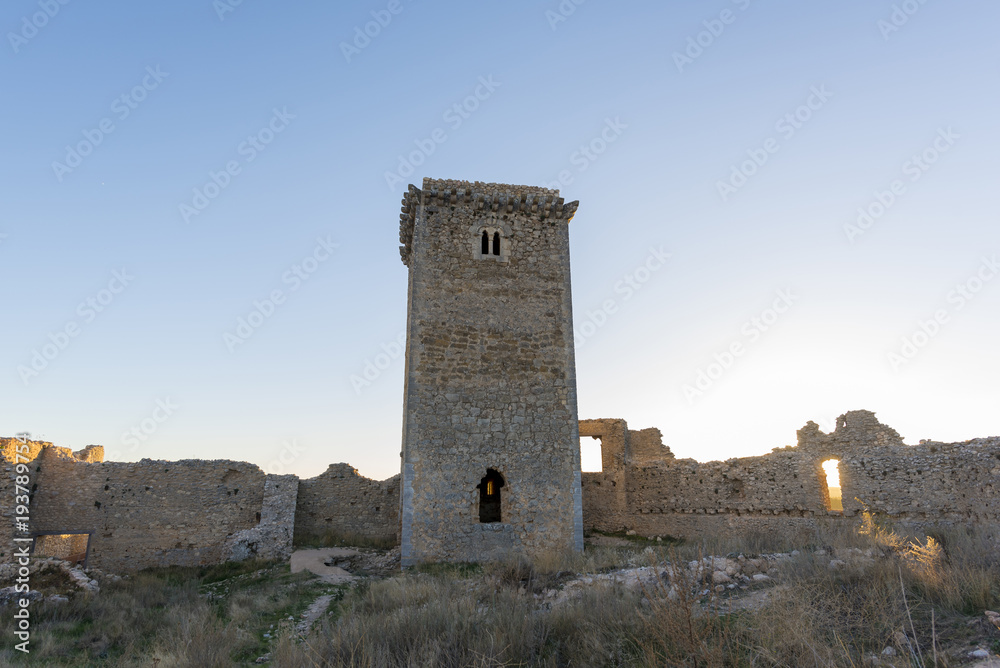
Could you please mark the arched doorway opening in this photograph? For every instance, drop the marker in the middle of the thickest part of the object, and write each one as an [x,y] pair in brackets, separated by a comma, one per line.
[489,497]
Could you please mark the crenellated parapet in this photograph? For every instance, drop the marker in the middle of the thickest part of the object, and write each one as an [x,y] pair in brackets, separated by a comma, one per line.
[492,197]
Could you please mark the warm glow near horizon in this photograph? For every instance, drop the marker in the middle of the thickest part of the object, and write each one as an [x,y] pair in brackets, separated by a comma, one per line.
[796,219]
[831,466]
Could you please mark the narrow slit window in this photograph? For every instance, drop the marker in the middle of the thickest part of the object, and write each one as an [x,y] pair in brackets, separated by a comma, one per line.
[496,243]
[485,250]
[489,497]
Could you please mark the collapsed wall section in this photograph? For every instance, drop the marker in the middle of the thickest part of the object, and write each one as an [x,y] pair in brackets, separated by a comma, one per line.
[785,492]
[10,449]
[342,502]
[156,513]
[272,537]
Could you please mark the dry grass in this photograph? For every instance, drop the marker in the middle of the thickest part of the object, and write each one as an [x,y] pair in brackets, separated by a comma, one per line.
[343,539]
[914,594]
[207,617]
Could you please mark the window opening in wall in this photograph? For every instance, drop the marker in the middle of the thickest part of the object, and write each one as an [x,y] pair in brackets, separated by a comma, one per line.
[496,243]
[485,248]
[71,547]
[591,454]
[489,497]
[835,497]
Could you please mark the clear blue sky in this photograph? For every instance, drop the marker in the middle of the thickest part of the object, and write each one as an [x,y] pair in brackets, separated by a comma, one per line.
[831,102]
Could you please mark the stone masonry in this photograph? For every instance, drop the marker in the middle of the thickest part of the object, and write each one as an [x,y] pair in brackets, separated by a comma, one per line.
[156,513]
[643,488]
[341,502]
[153,513]
[491,451]
[490,374]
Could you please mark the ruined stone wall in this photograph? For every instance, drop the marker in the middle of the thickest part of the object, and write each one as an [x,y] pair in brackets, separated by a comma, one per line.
[646,447]
[785,492]
[341,501]
[490,373]
[9,447]
[272,537]
[153,513]
[157,513]
[71,547]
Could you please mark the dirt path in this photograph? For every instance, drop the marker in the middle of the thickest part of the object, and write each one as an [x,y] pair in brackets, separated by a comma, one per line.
[315,560]
[313,613]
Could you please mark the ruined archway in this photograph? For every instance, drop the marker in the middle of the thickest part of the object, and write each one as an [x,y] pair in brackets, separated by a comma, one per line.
[830,485]
[489,497]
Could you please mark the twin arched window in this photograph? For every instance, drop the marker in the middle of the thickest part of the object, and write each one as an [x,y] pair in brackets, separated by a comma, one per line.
[485,246]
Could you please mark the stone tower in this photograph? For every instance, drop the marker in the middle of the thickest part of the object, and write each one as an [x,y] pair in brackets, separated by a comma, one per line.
[491,452]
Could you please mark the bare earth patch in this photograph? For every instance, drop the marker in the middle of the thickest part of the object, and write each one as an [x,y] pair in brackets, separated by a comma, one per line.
[315,561]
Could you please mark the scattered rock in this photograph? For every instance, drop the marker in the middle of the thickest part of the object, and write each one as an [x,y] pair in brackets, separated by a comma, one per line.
[312,613]
[721,577]
[10,594]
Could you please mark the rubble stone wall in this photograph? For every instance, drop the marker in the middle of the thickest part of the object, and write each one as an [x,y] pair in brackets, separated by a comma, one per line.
[192,512]
[785,491]
[341,501]
[9,448]
[490,382]
[150,513]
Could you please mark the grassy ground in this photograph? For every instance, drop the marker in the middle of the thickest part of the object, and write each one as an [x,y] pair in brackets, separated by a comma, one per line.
[924,600]
[216,616]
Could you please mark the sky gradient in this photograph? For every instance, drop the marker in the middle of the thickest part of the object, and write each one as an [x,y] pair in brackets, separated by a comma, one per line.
[788,210]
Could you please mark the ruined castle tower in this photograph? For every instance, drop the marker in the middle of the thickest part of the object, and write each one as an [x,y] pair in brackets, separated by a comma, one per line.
[491,452]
